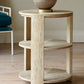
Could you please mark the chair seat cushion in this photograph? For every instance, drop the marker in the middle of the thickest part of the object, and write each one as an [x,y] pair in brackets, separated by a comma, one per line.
[5,20]
[5,29]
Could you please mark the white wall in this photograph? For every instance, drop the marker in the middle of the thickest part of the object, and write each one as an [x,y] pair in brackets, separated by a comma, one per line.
[54,28]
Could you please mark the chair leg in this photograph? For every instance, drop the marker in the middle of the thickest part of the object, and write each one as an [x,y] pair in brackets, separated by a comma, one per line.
[12,43]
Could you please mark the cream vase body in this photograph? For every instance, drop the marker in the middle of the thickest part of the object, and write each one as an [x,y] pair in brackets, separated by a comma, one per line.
[44,4]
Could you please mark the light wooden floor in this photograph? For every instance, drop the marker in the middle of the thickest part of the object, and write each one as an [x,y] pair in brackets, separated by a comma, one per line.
[11,66]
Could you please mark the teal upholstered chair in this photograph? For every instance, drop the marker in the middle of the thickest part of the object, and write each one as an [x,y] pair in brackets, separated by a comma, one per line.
[5,22]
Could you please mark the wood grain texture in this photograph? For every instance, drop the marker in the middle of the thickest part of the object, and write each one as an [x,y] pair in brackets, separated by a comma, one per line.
[10,66]
[51,75]
[37,50]
[69,51]
[69,55]
[37,44]
[27,36]
[48,44]
[54,14]
[70,29]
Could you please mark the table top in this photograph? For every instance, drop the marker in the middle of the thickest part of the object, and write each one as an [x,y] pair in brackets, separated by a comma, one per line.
[55,13]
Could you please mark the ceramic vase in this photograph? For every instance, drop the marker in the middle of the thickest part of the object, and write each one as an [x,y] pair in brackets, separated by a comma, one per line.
[44,4]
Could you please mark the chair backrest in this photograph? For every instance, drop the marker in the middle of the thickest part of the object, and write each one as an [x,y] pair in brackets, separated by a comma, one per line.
[6,10]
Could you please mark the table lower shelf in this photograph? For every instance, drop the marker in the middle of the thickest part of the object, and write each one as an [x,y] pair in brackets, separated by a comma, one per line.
[51,75]
[49,44]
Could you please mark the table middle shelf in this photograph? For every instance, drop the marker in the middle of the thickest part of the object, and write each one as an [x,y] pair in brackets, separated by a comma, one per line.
[48,44]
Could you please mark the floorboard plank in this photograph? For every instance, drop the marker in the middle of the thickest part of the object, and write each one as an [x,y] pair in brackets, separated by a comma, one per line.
[10,66]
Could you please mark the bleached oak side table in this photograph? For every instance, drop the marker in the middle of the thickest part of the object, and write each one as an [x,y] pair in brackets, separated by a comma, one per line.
[34,46]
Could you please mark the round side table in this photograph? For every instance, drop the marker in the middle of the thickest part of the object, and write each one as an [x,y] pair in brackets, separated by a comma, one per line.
[34,46]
